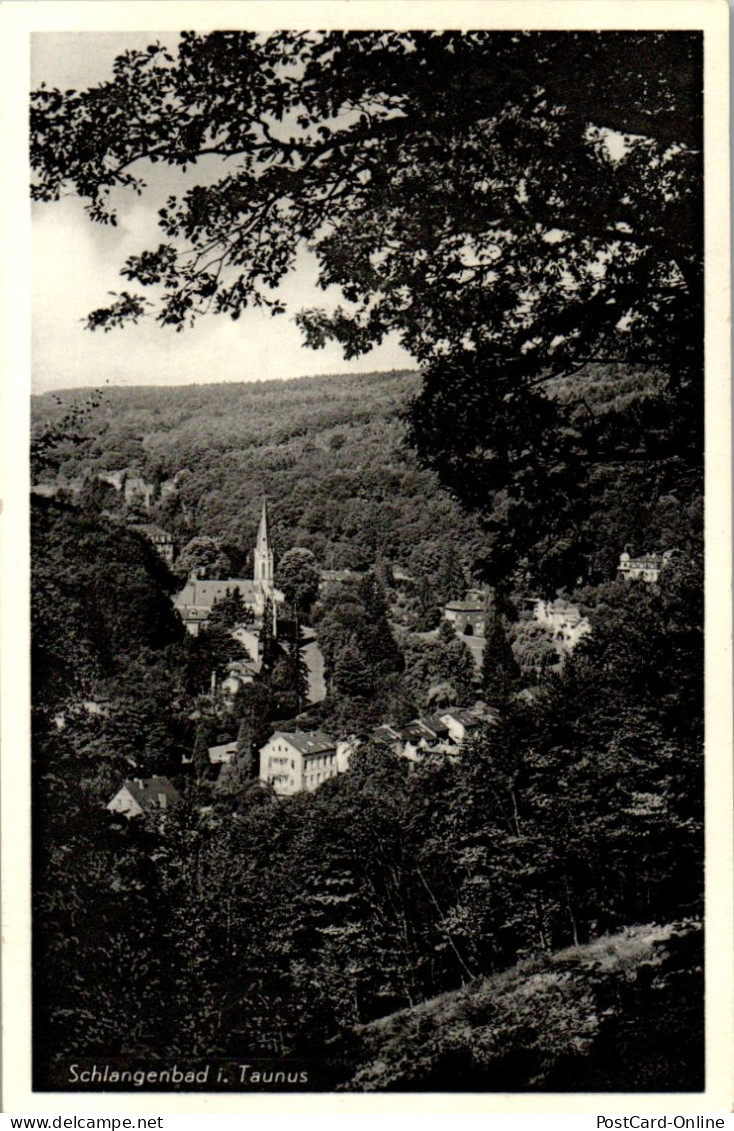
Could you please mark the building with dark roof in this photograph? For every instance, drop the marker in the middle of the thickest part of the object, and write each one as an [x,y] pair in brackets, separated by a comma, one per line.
[199,595]
[467,616]
[646,567]
[138,796]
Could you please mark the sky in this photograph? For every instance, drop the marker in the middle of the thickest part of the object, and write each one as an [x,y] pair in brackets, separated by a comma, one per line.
[75,263]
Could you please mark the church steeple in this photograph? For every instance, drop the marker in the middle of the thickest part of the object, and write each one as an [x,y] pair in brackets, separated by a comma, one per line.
[263,552]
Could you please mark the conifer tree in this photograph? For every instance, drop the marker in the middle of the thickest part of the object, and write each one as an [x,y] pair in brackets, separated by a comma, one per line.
[352,674]
[267,637]
[244,746]
[200,757]
[427,611]
[446,631]
[296,669]
[378,640]
[449,583]
[500,672]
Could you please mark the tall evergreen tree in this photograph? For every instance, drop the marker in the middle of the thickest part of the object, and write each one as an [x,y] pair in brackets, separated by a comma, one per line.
[296,669]
[499,668]
[428,613]
[244,746]
[268,647]
[352,675]
[200,756]
[378,641]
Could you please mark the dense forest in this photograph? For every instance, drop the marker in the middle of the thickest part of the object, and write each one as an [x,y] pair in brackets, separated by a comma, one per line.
[330,455]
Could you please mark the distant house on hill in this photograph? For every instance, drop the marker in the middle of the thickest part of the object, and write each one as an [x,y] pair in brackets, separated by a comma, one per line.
[115,479]
[462,722]
[302,760]
[139,796]
[563,620]
[401,577]
[646,567]
[161,540]
[388,735]
[137,491]
[467,616]
[423,735]
[45,490]
[250,641]
[239,673]
[222,754]
[336,577]
[442,732]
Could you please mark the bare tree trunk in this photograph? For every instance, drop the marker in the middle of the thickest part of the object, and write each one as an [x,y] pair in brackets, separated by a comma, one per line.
[446,931]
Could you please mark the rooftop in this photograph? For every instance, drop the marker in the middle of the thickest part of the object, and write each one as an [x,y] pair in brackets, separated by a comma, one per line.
[204,592]
[308,742]
[150,530]
[148,792]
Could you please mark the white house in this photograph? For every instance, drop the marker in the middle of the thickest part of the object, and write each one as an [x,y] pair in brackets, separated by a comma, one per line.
[138,796]
[222,754]
[563,620]
[648,567]
[300,761]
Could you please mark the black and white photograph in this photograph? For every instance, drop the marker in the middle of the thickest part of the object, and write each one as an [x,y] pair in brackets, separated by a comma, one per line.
[368,391]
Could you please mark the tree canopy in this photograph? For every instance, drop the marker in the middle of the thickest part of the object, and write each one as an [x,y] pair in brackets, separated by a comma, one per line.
[298,576]
[514,205]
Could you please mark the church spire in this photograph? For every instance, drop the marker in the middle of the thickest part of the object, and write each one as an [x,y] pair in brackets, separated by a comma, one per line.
[263,532]
[263,552]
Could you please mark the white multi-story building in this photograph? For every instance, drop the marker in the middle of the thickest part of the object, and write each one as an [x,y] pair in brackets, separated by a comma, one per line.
[646,567]
[300,761]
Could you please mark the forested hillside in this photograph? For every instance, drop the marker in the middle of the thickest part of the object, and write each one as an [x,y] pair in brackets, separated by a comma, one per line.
[330,454]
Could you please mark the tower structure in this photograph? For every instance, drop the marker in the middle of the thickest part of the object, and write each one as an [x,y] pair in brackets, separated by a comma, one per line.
[263,571]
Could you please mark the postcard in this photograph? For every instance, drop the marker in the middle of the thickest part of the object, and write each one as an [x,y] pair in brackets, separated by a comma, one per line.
[366,671]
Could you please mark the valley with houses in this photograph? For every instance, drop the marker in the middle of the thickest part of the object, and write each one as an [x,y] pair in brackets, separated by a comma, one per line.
[367,708]
[302,770]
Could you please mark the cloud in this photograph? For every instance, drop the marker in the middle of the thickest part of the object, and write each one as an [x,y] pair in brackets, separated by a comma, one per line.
[76,264]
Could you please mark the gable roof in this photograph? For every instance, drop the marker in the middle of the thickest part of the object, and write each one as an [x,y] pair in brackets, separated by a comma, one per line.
[386,732]
[307,742]
[463,715]
[147,793]
[151,530]
[433,725]
[204,593]
[414,732]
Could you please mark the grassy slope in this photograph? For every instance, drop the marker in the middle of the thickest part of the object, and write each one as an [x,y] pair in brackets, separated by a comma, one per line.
[621,1013]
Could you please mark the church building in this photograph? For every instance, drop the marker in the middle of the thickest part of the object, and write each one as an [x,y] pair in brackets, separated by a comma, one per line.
[199,595]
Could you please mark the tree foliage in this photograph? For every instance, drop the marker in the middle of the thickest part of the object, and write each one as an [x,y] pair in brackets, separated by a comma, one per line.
[205,557]
[524,210]
[293,923]
[513,205]
[298,576]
